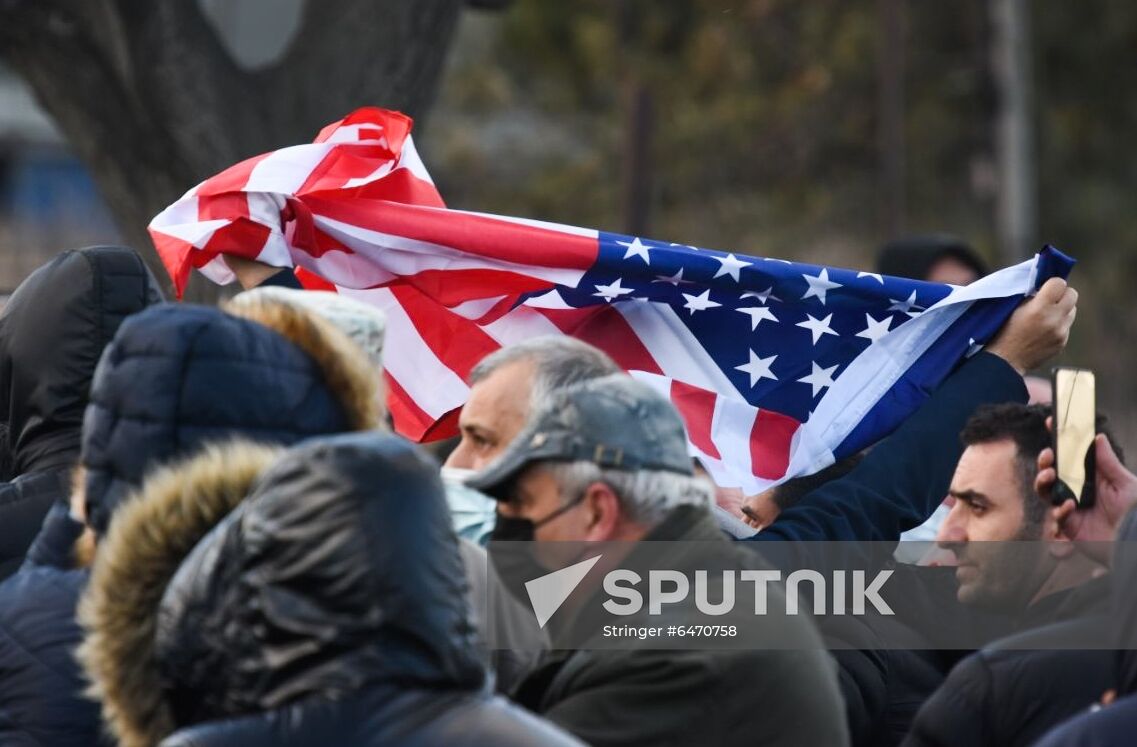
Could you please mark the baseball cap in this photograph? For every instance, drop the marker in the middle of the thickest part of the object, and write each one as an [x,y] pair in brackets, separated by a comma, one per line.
[614,422]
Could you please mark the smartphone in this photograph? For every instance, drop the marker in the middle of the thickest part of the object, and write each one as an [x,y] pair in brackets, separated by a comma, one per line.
[1075,416]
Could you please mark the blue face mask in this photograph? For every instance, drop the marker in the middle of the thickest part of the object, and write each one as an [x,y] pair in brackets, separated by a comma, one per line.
[472,513]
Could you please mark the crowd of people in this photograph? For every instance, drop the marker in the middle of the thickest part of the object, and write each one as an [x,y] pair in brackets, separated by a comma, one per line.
[209,536]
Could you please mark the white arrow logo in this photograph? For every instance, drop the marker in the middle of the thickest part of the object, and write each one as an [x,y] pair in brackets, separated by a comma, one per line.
[547,593]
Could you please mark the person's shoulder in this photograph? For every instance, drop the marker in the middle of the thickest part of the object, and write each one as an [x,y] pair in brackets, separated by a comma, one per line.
[1108,726]
[478,720]
[40,587]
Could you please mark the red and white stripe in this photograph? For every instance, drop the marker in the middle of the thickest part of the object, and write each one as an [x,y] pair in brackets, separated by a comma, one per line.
[739,445]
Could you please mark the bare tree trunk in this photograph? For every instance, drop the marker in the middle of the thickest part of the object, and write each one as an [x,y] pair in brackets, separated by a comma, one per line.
[637,158]
[891,38]
[638,123]
[1017,211]
[153,103]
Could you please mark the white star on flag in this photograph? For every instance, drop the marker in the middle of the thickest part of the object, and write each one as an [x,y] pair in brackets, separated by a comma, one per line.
[757,314]
[758,368]
[875,330]
[873,275]
[973,347]
[819,286]
[700,302]
[675,279]
[636,248]
[762,296]
[820,378]
[614,290]
[906,306]
[818,327]
[731,265]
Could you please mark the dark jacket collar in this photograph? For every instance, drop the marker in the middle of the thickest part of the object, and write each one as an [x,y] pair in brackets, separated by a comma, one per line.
[1090,598]
[686,523]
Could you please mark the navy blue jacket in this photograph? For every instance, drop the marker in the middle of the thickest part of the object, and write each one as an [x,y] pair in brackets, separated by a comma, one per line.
[903,478]
[174,378]
[1112,726]
[39,676]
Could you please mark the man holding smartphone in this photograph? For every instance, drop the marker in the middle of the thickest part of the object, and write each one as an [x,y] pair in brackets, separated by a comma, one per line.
[1016,556]
[1115,490]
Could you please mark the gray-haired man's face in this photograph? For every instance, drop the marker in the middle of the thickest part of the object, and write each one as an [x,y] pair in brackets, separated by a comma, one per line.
[493,415]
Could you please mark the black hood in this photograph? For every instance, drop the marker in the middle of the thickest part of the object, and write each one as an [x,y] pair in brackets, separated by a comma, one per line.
[52,332]
[340,571]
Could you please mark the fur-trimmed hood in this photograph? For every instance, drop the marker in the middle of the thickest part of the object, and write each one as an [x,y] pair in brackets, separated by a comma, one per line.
[340,572]
[363,324]
[150,537]
[176,377]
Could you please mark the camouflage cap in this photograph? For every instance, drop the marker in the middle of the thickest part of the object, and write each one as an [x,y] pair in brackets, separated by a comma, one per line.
[614,422]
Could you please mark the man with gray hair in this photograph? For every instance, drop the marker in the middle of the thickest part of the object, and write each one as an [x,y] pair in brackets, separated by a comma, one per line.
[606,461]
[505,386]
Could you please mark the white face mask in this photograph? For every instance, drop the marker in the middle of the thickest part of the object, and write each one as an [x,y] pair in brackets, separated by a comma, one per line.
[473,513]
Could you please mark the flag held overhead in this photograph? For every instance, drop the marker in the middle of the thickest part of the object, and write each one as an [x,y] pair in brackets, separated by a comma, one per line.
[777,367]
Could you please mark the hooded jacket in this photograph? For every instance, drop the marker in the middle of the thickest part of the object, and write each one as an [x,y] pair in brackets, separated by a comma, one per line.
[326,608]
[174,379]
[52,331]
[180,376]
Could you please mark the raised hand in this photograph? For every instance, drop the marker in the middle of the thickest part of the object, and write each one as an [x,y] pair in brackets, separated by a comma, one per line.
[1039,328]
[1116,493]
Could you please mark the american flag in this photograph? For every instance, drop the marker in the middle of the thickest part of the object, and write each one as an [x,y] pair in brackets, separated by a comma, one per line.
[777,367]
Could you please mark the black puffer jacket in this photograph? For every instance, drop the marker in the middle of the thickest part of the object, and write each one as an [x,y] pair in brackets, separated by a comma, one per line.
[173,379]
[1011,692]
[52,331]
[327,608]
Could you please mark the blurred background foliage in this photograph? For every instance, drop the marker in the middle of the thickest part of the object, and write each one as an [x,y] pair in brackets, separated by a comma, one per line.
[763,134]
[763,126]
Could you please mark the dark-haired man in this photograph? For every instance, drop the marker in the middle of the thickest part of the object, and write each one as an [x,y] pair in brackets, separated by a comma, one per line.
[1007,544]
[1015,558]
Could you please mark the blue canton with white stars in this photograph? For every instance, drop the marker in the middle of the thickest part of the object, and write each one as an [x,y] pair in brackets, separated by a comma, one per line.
[782,332]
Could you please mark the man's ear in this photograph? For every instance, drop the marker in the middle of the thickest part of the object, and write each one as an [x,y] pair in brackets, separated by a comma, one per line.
[1059,544]
[605,514]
